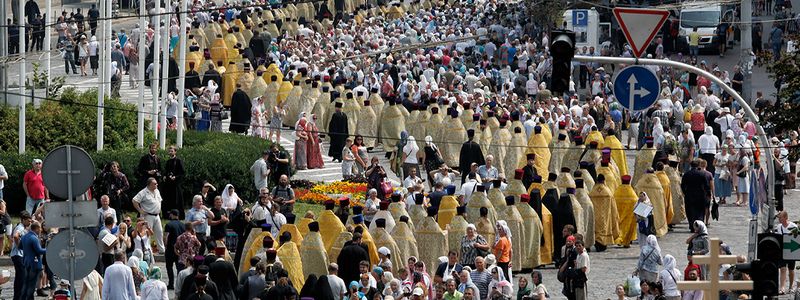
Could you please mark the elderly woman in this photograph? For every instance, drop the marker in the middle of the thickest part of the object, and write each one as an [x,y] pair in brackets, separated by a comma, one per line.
[649,259]
[472,245]
[502,246]
[669,278]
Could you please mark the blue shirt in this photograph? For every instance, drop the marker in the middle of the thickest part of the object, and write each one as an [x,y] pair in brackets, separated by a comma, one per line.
[776,36]
[32,251]
[16,248]
[198,215]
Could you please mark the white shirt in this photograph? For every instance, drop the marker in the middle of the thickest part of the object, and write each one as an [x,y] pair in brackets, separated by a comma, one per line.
[668,281]
[101,215]
[338,289]
[154,290]
[182,276]
[409,181]
[259,169]
[149,201]
[583,261]
[467,189]
[2,173]
[708,144]
[725,122]
[119,279]
[276,221]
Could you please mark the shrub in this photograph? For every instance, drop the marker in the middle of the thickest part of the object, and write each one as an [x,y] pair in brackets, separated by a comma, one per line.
[71,120]
[220,158]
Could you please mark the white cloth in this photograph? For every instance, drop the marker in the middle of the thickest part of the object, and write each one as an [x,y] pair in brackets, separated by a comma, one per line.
[229,201]
[91,290]
[118,283]
[708,143]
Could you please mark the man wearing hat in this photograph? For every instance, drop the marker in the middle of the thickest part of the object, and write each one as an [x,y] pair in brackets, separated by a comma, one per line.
[470,153]
[385,241]
[529,170]
[338,130]
[35,191]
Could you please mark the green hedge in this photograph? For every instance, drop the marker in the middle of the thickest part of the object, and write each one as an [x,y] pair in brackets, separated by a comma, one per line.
[220,158]
[70,120]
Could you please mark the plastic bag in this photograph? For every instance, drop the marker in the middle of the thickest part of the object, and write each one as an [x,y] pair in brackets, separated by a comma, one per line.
[632,286]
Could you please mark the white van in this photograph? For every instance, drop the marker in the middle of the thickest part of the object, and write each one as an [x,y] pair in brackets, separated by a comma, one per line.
[705,17]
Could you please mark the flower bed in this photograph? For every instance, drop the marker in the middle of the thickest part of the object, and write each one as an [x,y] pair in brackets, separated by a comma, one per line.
[320,193]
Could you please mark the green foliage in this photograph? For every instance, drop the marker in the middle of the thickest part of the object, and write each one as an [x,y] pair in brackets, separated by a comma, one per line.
[220,158]
[70,120]
[784,117]
[40,80]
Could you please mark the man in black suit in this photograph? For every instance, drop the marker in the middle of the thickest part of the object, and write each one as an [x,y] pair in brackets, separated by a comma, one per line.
[695,187]
[470,153]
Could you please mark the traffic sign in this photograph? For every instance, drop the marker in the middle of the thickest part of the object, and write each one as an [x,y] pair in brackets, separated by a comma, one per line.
[85,254]
[58,214]
[791,247]
[640,26]
[636,87]
[580,18]
[68,171]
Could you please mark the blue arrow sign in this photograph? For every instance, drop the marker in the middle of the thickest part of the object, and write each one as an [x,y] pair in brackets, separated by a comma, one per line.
[636,86]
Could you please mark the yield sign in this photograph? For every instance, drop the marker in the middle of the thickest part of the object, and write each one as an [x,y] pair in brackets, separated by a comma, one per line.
[640,26]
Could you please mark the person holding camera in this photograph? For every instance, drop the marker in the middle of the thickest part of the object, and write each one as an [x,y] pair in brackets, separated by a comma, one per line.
[375,177]
[446,176]
[283,195]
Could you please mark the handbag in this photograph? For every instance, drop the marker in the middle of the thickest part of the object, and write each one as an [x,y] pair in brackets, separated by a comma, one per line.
[632,286]
[386,187]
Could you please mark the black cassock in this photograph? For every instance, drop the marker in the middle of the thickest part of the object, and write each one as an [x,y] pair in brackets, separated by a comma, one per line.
[536,204]
[349,260]
[171,188]
[240,112]
[562,216]
[470,153]
[146,163]
[528,174]
[695,187]
[224,275]
[213,75]
[339,132]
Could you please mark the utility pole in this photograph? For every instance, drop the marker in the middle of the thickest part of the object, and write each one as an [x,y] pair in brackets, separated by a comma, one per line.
[4,51]
[22,76]
[746,60]
[162,116]
[182,72]
[140,75]
[48,30]
[156,66]
[104,40]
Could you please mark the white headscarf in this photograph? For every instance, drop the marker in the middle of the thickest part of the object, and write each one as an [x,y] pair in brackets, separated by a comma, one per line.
[411,145]
[652,241]
[229,201]
[503,226]
[658,129]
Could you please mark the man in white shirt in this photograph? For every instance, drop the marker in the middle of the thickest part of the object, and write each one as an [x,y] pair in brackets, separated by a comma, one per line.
[785,227]
[338,289]
[582,264]
[148,203]
[260,171]
[708,145]
[469,187]
[118,280]
[412,178]
[725,120]
[105,210]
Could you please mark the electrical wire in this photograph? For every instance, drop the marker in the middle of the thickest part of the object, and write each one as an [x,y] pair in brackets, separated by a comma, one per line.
[438,142]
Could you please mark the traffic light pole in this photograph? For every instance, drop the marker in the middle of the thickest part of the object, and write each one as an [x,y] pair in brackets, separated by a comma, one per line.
[762,136]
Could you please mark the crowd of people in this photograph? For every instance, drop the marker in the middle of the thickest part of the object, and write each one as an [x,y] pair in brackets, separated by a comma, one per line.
[499,174]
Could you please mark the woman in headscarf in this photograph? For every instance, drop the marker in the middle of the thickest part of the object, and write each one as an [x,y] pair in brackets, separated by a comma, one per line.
[397,159]
[409,156]
[300,155]
[658,128]
[743,172]
[523,288]
[314,145]
[309,287]
[722,175]
[394,289]
[115,78]
[649,259]
[154,288]
[498,277]
[230,200]
[698,242]
[698,120]
[669,278]
[502,246]
[257,118]
[139,276]
[432,158]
